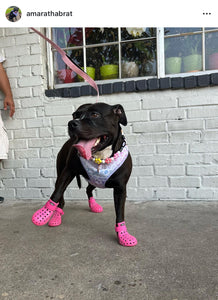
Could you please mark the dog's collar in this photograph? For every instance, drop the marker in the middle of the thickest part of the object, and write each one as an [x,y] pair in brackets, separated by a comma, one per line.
[123,143]
[108,160]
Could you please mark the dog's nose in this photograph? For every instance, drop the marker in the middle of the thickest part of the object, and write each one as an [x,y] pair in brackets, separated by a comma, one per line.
[73,124]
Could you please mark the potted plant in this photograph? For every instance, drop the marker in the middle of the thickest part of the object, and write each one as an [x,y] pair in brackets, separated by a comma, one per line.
[192,62]
[92,63]
[138,57]
[129,69]
[130,52]
[109,68]
[173,59]
[109,71]
[108,55]
[76,39]
[90,71]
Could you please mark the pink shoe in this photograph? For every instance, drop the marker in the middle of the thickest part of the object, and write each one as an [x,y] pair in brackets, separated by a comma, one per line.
[94,206]
[56,217]
[42,216]
[124,238]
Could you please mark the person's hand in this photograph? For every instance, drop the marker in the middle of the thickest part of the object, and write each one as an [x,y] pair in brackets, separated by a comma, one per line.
[9,102]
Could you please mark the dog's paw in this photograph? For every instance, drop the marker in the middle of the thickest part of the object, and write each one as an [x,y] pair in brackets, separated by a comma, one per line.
[44,214]
[124,238]
[94,206]
[56,218]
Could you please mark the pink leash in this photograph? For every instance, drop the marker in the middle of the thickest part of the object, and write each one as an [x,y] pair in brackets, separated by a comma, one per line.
[69,63]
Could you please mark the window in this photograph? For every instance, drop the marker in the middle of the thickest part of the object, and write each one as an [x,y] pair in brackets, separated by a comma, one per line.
[190,50]
[106,53]
[121,53]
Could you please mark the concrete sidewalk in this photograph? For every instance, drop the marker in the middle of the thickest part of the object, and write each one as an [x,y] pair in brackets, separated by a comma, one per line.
[176,256]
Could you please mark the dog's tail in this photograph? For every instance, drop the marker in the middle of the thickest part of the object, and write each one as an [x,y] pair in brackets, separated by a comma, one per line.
[78,181]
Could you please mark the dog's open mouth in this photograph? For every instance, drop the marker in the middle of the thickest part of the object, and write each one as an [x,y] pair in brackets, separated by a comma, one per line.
[88,147]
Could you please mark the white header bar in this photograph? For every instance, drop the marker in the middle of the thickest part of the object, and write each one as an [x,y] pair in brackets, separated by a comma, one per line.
[112,13]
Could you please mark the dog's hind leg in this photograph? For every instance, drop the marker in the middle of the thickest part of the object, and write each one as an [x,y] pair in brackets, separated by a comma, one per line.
[93,205]
[90,188]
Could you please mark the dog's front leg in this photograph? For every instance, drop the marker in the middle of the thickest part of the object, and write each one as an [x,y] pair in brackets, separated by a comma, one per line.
[124,238]
[50,212]
[119,203]
[61,184]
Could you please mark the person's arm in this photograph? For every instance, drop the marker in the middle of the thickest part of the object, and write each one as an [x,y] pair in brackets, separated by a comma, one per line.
[6,89]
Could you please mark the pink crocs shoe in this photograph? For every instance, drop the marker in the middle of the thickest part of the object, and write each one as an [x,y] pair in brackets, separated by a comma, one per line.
[94,206]
[125,239]
[56,217]
[43,215]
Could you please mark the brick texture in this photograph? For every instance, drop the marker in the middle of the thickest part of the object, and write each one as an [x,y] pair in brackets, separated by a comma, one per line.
[172,133]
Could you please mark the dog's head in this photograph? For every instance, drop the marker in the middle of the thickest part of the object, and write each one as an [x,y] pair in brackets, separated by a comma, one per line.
[95,127]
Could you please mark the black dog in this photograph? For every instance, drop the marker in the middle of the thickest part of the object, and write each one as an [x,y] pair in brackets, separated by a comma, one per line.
[96,150]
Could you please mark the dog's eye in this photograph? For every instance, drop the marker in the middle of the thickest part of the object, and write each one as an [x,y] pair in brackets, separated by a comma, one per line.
[95,115]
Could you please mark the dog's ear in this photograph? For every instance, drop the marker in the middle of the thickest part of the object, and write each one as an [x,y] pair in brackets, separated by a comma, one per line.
[119,111]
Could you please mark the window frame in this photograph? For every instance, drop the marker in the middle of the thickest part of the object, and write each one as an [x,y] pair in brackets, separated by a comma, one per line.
[160,59]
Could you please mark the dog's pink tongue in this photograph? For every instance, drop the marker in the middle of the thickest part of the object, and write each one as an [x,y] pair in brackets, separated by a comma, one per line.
[84,147]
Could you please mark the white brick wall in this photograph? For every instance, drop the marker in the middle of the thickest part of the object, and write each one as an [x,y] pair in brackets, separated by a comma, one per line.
[172,134]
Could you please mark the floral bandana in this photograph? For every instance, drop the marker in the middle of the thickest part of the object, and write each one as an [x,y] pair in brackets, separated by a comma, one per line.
[99,174]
